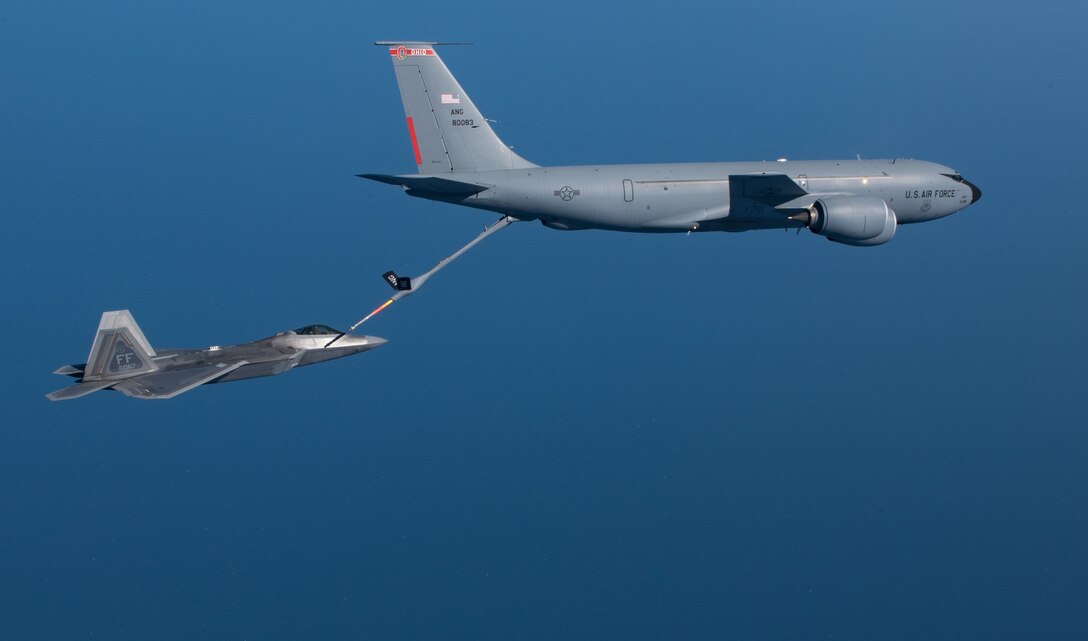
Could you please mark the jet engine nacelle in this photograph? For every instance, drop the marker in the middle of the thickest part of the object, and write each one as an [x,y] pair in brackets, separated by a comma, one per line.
[852,220]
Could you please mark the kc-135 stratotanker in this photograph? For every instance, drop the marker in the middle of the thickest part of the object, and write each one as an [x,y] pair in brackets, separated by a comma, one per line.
[460,160]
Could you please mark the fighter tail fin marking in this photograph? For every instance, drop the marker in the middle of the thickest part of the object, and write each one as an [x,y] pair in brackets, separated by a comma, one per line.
[448,132]
[120,349]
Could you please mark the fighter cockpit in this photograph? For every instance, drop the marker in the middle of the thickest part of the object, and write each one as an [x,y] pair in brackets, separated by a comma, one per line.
[316,330]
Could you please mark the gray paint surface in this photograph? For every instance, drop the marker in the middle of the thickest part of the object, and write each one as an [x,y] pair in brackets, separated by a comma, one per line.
[462,161]
[122,359]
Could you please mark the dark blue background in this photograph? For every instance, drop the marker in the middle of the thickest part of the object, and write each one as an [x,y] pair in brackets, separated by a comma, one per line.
[570,435]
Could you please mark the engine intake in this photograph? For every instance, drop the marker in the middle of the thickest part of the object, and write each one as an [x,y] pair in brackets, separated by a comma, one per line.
[852,220]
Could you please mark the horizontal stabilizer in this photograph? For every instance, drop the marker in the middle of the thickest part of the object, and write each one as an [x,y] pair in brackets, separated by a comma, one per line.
[429,184]
[78,390]
[769,189]
[170,383]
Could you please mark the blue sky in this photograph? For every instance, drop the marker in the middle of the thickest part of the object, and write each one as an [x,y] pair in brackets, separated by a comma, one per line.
[570,435]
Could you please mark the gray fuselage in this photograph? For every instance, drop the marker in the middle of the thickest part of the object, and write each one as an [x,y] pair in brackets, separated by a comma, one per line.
[268,356]
[696,196]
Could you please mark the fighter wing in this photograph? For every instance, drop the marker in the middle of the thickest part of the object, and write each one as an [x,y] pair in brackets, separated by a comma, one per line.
[170,383]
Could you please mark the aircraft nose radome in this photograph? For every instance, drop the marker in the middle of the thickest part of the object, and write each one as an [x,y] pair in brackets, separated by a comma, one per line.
[368,342]
[360,343]
[976,193]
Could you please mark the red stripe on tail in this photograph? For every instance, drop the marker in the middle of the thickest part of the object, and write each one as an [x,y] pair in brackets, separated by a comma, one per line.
[415,143]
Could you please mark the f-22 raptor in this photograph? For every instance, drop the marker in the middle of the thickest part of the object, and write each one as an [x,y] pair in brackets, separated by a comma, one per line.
[121,359]
[460,160]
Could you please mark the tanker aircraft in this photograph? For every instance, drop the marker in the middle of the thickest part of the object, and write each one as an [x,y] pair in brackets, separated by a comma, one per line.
[123,360]
[460,160]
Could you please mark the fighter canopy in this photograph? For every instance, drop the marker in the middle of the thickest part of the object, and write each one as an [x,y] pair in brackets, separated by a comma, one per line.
[316,330]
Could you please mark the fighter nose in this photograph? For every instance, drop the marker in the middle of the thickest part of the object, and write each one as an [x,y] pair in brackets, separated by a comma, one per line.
[359,343]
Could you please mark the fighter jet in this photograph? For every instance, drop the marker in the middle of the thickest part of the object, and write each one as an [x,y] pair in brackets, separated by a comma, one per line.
[460,160]
[123,360]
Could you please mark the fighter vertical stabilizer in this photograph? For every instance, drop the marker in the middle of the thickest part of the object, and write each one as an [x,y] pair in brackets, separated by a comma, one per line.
[120,349]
